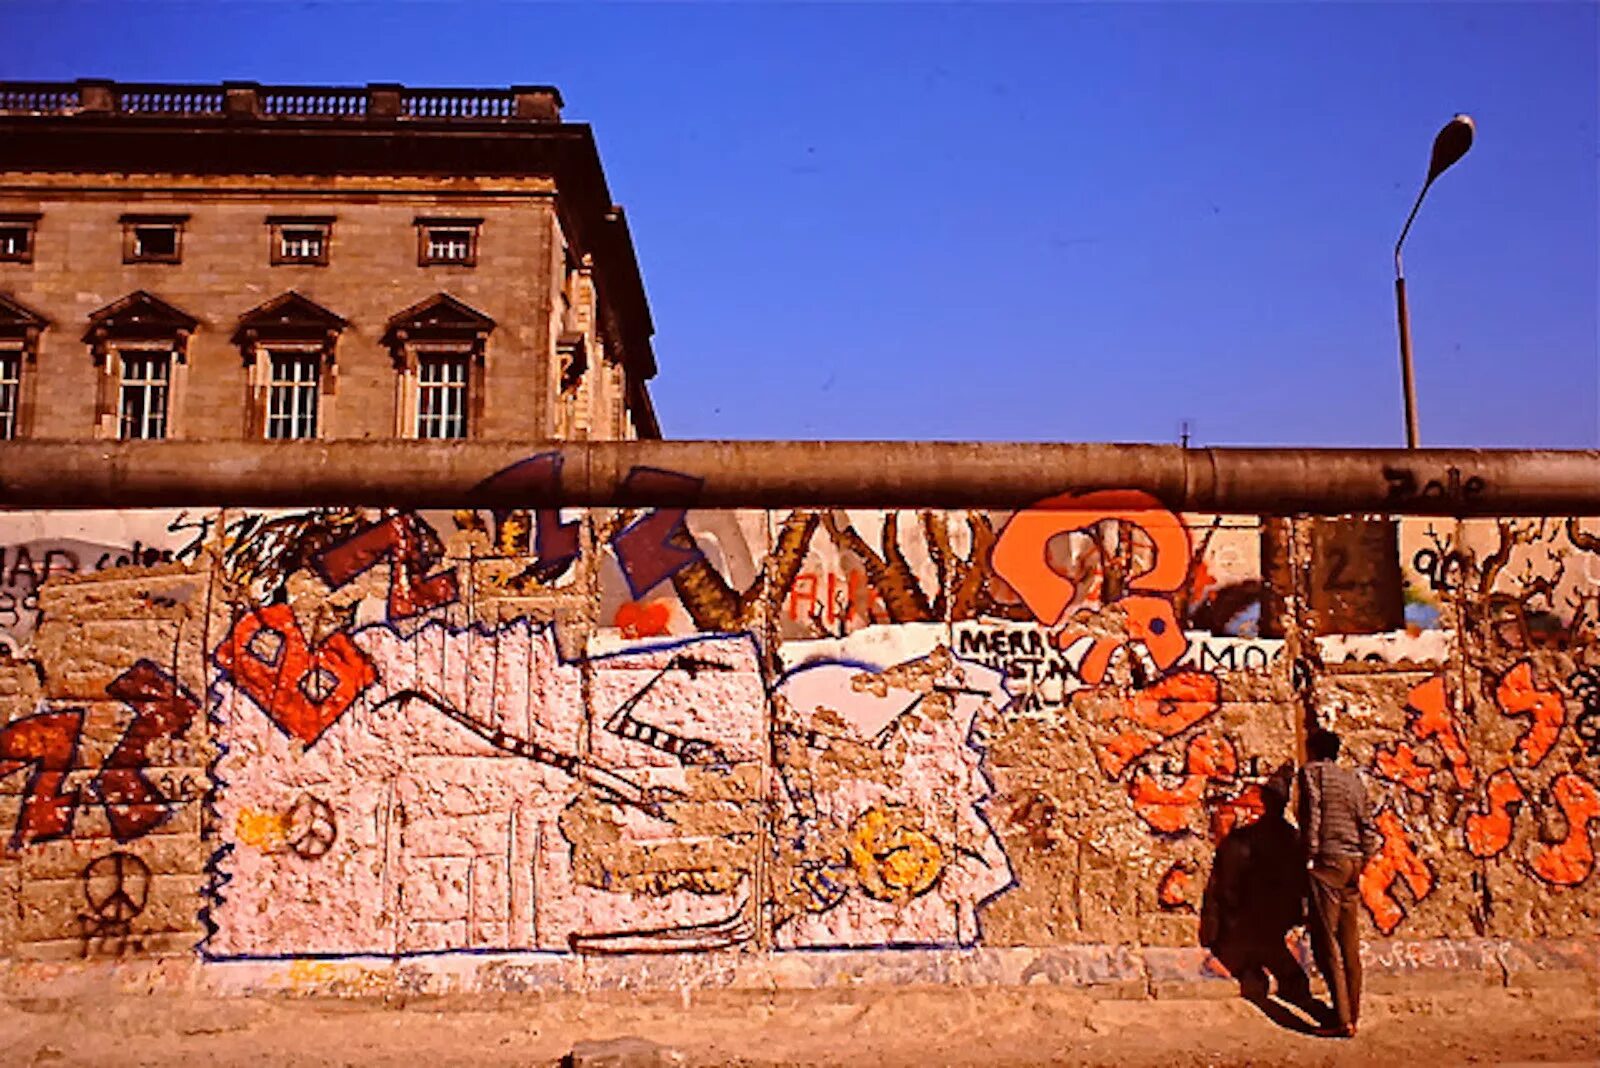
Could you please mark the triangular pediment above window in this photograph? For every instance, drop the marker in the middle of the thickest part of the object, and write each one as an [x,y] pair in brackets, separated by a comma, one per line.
[139,316]
[439,321]
[18,322]
[288,316]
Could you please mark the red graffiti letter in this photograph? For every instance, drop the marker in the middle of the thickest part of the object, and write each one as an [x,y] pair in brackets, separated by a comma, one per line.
[162,709]
[411,549]
[47,742]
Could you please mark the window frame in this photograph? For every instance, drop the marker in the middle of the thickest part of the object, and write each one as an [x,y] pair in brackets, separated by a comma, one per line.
[132,224]
[301,355]
[11,391]
[279,225]
[427,224]
[444,357]
[166,384]
[29,223]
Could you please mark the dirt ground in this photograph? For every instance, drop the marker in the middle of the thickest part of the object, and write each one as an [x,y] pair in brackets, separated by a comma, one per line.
[921,1028]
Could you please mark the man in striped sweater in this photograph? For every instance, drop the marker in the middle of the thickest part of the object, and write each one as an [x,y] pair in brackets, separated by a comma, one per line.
[1337,830]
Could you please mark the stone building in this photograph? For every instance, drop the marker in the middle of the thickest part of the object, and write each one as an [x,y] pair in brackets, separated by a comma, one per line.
[245,261]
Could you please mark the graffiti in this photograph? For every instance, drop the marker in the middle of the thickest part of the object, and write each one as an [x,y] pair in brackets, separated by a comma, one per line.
[1173,889]
[1170,810]
[116,888]
[303,689]
[1428,710]
[1399,764]
[1450,487]
[765,732]
[47,745]
[1158,712]
[311,827]
[1489,832]
[1569,861]
[411,549]
[1395,861]
[1585,686]
[1021,558]
[1517,695]
[162,710]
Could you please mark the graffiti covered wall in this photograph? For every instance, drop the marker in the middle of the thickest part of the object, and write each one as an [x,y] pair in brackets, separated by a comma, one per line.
[343,735]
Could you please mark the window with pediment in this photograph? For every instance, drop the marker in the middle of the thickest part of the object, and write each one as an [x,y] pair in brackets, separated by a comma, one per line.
[438,347]
[289,346]
[141,345]
[20,327]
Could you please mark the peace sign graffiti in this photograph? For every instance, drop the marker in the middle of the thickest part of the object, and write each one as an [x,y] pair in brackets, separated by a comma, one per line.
[116,886]
[312,828]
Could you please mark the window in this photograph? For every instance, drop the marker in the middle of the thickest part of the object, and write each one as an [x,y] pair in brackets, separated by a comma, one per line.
[16,238]
[10,381]
[292,395]
[145,377]
[300,239]
[447,241]
[152,238]
[442,396]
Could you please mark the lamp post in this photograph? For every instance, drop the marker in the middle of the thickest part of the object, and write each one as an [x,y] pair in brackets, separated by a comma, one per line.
[1448,147]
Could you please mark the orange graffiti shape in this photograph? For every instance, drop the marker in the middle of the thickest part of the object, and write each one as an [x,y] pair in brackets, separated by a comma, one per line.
[1400,764]
[1169,810]
[1172,892]
[1396,860]
[1240,810]
[1019,555]
[1489,832]
[642,619]
[1164,710]
[1571,860]
[1518,696]
[1432,719]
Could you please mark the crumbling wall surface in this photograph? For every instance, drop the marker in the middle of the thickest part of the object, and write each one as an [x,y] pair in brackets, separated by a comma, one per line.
[340,748]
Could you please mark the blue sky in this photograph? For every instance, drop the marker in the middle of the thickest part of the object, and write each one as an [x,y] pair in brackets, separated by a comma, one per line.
[1078,222]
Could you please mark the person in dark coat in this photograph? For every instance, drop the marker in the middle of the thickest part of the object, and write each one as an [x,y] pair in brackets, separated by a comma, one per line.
[1255,896]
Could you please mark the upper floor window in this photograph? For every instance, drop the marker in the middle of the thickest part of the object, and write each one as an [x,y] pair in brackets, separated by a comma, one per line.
[438,349]
[20,328]
[442,395]
[16,237]
[146,381]
[289,346]
[296,379]
[153,238]
[10,391]
[300,239]
[447,241]
[140,344]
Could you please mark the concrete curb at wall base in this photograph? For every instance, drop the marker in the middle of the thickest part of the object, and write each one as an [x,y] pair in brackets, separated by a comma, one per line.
[1118,972]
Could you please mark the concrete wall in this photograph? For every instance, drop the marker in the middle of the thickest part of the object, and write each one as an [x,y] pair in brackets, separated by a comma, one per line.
[343,750]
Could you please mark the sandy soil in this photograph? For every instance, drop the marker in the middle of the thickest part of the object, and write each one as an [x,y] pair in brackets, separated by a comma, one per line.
[921,1028]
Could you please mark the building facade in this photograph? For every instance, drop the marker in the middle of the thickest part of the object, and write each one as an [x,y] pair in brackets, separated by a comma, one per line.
[252,262]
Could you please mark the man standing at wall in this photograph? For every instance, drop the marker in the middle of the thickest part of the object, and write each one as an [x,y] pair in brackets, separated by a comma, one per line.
[1336,822]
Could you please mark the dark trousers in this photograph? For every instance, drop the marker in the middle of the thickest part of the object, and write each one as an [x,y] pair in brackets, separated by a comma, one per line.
[1336,932]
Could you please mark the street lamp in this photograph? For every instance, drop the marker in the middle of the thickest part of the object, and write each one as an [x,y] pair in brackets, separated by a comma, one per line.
[1451,144]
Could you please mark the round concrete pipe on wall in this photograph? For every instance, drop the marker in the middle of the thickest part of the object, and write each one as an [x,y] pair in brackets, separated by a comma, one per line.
[779,474]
